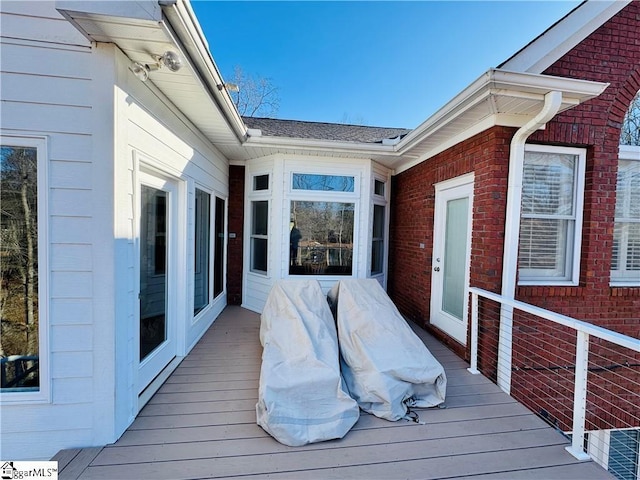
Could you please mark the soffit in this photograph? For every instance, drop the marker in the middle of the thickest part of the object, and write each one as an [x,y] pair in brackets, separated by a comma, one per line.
[139,40]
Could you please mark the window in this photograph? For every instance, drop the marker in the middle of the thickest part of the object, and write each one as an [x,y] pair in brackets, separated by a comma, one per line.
[551,217]
[261,182]
[625,264]
[22,250]
[377,240]
[259,235]
[378,187]
[321,238]
[202,248]
[324,183]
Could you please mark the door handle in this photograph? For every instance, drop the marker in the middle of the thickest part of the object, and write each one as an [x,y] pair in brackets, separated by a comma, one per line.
[437,269]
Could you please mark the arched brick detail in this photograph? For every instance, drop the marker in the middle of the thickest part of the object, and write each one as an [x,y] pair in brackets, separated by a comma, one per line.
[623,100]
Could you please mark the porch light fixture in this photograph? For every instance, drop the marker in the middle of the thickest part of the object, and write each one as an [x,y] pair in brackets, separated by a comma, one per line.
[231,87]
[168,59]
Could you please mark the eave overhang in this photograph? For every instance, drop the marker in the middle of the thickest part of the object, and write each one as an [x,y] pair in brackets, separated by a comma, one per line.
[145,28]
[497,98]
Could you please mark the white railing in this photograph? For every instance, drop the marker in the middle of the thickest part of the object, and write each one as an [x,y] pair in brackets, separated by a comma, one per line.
[538,347]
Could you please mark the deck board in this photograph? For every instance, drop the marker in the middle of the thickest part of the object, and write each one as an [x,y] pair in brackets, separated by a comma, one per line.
[202,424]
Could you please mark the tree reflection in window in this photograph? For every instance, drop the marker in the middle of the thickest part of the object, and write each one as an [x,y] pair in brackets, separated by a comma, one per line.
[19,315]
[321,238]
[323,183]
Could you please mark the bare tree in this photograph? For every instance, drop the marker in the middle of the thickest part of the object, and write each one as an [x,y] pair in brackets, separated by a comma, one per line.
[630,134]
[256,97]
[18,269]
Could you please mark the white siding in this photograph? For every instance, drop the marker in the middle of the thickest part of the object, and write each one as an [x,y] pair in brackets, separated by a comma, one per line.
[45,93]
[98,118]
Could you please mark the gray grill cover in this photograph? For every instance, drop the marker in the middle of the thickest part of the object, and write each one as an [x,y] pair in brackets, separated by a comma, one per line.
[301,398]
[385,365]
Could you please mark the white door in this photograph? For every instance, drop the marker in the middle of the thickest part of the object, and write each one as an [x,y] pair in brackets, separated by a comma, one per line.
[157,259]
[451,256]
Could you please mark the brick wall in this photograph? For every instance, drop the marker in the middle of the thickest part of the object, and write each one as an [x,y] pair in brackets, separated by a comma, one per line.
[236,225]
[412,216]
[611,54]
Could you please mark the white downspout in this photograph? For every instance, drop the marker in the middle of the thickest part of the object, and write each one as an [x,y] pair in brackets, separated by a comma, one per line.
[552,103]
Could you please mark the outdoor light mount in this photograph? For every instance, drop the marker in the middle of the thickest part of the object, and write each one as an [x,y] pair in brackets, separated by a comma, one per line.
[168,59]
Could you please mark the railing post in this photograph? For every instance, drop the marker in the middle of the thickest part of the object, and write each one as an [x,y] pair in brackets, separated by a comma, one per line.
[473,367]
[505,348]
[580,397]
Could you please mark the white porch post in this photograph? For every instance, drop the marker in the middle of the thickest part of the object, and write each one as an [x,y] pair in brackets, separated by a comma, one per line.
[580,397]
[473,367]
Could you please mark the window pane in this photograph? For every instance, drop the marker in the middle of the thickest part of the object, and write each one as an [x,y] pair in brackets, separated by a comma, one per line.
[453,285]
[628,190]
[543,247]
[378,188]
[259,231]
[261,182]
[260,218]
[201,249]
[378,221]
[625,265]
[218,259]
[333,183]
[324,232]
[548,184]
[19,268]
[377,245]
[259,254]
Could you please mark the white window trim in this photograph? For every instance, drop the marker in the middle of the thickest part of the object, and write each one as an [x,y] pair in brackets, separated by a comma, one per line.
[43,395]
[626,152]
[573,278]
[291,194]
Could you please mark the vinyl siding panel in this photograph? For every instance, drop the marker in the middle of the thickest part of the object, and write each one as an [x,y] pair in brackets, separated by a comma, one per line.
[46,92]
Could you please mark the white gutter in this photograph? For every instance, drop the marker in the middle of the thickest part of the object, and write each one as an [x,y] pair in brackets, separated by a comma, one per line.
[316,144]
[498,82]
[552,104]
[182,20]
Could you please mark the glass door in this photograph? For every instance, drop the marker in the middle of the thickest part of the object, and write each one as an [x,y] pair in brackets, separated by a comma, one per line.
[451,254]
[157,343]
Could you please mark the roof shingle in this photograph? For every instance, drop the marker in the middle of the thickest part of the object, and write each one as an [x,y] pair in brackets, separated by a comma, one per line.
[273,127]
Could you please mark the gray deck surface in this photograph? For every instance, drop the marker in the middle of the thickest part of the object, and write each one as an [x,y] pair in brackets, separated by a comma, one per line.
[202,424]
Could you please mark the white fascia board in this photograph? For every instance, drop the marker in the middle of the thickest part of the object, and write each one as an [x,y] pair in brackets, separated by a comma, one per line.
[183,21]
[500,82]
[568,32]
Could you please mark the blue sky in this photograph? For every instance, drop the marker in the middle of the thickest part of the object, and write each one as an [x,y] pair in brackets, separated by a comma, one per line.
[389,64]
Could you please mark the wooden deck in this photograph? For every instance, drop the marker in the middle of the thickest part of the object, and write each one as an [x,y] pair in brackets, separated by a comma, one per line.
[202,424]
